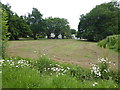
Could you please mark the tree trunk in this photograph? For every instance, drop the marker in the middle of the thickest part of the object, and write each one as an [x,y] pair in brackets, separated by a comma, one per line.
[34,36]
[48,36]
[56,36]
[16,38]
[63,36]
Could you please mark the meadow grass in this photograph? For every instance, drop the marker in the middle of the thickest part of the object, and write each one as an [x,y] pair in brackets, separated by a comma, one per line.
[68,51]
[45,73]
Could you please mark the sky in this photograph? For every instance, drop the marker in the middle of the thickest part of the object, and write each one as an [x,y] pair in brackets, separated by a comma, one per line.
[68,9]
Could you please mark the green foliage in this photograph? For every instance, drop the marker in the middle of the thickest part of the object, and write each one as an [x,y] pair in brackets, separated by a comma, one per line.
[100,22]
[112,42]
[23,73]
[17,26]
[4,32]
[35,22]
[73,31]
[57,26]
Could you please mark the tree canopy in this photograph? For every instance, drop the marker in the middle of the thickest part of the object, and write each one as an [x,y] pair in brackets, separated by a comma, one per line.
[100,22]
[34,20]
[17,26]
[57,26]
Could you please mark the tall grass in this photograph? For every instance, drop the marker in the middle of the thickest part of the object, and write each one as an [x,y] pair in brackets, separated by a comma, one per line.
[111,42]
[45,73]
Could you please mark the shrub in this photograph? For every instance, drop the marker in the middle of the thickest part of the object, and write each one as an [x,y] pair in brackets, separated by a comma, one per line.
[111,42]
[3,33]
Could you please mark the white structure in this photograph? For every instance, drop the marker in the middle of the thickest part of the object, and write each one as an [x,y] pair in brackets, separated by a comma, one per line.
[52,35]
[60,36]
[46,36]
[73,36]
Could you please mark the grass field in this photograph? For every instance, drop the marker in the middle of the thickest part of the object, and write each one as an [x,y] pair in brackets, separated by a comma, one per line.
[71,51]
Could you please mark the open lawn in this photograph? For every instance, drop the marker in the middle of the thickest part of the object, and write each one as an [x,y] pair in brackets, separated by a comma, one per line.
[71,51]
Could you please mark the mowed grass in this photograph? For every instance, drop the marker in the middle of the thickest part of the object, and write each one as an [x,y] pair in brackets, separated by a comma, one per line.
[71,51]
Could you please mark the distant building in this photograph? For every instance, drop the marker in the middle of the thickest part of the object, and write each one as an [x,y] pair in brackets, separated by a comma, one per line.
[60,36]
[73,36]
[52,35]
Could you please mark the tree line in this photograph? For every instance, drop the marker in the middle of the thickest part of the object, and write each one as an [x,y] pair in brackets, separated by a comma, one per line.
[96,25]
[100,22]
[33,25]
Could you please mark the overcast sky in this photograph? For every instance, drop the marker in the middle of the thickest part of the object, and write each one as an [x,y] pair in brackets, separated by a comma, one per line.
[69,9]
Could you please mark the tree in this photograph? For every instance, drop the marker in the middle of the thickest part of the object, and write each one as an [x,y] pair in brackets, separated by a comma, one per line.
[57,26]
[73,31]
[35,22]
[17,26]
[49,26]
[102,21]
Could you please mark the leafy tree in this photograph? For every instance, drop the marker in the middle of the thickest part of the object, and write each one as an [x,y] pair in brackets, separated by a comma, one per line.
[73,31]
[64,28]
[57,26]
[102,21]
[49,26]
[17,26]
[35,21]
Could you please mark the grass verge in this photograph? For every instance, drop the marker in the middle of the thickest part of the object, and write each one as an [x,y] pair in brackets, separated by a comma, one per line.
[45,73]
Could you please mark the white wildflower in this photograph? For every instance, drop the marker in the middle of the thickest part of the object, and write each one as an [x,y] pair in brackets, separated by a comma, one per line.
[56,69]
[62,69]
[99,74]
[68,68]
[93,85]
[96,83]
[45,69]
[105,70]
[109,62]
[2,60]
[50,73]
[56,64]
[53,68]
[8,60]
[58,73]
[94,68]
[16,66]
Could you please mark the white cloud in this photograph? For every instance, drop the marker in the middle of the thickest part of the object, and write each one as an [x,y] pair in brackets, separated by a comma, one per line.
[69,9]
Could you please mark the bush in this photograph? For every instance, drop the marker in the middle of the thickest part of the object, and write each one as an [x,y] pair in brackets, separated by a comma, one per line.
[3,32]
[111,42]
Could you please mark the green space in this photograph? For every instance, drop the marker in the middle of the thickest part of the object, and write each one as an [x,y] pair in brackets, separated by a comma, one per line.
[78,52]
[39,52]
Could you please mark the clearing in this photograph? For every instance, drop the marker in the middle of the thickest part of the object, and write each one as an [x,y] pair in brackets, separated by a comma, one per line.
[77,52]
